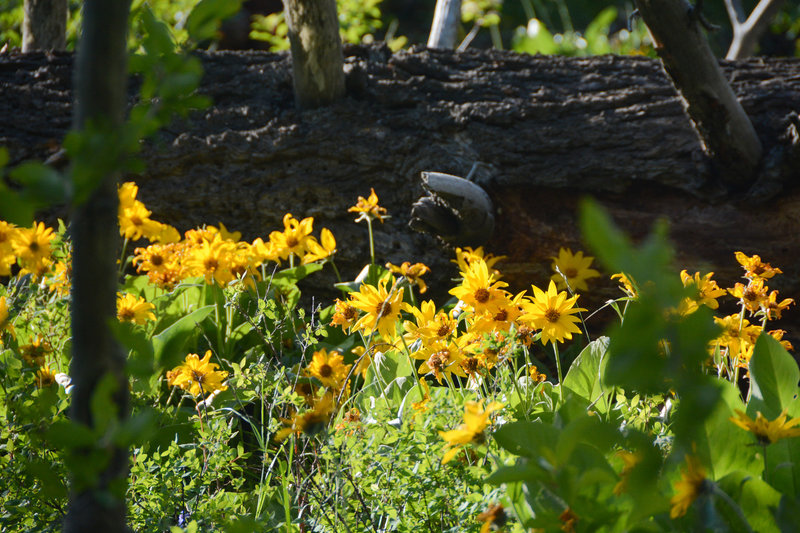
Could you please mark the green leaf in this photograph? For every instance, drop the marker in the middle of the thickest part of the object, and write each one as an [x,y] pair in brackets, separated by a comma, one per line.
[157,39]
[168,345]
[528,439]
[583,377]
[739,452]
[15,209]
[66,434]
[43,185]
[774,377]
[523,470]
[783,466]
[756,499]
[290,276]
[206,16]
[141,358]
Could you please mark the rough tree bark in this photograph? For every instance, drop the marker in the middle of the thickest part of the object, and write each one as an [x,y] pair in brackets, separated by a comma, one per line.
[44,26]
[543,130]
[100,83]
[317,64]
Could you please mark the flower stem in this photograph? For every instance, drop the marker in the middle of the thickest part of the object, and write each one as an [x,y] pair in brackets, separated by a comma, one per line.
[560,377]
[371,242]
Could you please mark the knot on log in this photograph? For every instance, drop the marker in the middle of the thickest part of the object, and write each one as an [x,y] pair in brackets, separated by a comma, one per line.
[455,209]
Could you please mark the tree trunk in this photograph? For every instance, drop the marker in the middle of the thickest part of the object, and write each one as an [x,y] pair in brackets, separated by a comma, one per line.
[316,52]
[544,131]
[44,26]
[100,83]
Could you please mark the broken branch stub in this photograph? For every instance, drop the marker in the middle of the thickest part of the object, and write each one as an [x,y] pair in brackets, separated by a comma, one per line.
[726,133]
[456,210]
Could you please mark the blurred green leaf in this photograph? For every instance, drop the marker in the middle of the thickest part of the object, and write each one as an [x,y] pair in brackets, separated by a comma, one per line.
[168,345]
[206,16]
[583,377]
[774,377]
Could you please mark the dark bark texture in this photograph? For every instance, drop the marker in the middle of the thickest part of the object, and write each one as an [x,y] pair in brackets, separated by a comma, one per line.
[544,131]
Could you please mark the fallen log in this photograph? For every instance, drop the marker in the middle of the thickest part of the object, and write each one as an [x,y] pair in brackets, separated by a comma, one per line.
[537,133]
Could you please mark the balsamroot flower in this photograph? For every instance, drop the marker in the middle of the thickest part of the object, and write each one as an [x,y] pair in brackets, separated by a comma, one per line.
[344,314]
[7,258]
[766,431]
[329,368]
[5,319]
[32,245]
[574,267]
[381,307]
[197,375]
[689,487]
[754,268]
[134,309]
[552,312]
[753,295]
[705,292]
[310,422]
[478,289]
[368,208]
[476,420]
[412,273]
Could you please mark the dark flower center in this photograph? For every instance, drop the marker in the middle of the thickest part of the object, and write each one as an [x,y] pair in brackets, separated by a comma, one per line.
[384,309]
[482,295]
[552,315]
[326,371]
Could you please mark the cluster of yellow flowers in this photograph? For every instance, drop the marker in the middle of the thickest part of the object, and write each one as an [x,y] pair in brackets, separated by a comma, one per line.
[739,336]
[29,248]
[217,255]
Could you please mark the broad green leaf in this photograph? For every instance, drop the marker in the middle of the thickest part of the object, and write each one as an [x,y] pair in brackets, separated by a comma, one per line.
[583,377]
[168,344]
[528,439]
[783,466]
[756,498]
[738,452]
[774,379]
[290,276]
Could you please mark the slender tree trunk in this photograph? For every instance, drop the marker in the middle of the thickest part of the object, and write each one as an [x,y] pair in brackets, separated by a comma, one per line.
[444,29]
[317,61]
[100,83]
[45,25]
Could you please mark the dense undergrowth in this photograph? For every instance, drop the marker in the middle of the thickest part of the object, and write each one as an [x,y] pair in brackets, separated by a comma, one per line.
[385,411]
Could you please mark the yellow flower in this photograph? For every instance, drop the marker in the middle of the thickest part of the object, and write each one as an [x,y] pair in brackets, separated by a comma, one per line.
[224,234]
[164,234]
[466,256]
[412,273]
[323,249]
[753,296]
[35,353]
[311,422]
[368,208]
[197,375]
[629,462]
[628,285]
[755,268]
[778,334]
[363,360]
[135,223]
[765,431]
[381,308]
[501,318]
[476,419]
[478,289]
[688,488]
[536,376]
[439,358]
[494,518]
[329,368]
[739,336]
[212,260]
[575,267]
[773,308]
[706,292]
[344,314]
[422,405]
[7,258]
[61,280]
[32,245]
[428,325]
[5,319]
[568,519]
[552,312]
[127,196]
[134,309]
[295,236]
[45,377]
